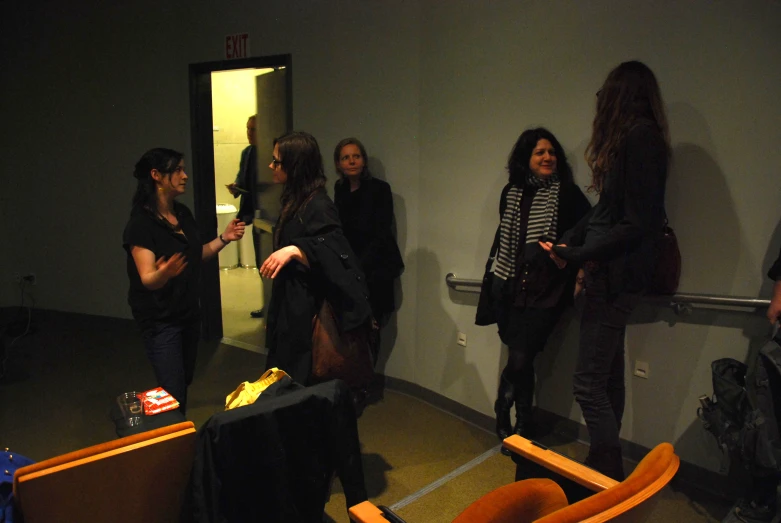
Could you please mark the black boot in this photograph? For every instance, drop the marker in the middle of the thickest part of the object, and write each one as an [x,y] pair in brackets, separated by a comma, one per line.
[607,460]
[504,401]
[524,401]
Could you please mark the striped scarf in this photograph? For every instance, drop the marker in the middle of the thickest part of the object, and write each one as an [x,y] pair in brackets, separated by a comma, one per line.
[543,217]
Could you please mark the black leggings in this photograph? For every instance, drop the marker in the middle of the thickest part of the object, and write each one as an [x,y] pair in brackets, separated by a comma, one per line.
[520,364]
[525,331]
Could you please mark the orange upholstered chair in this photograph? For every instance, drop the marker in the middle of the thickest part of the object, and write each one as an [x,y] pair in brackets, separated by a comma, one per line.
[543,501]
[142,477]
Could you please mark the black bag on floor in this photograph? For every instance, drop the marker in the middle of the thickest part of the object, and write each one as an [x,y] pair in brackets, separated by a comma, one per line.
[743,412]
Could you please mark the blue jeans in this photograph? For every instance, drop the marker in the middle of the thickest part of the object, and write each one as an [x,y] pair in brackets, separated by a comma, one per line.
[599,374]
[171,349]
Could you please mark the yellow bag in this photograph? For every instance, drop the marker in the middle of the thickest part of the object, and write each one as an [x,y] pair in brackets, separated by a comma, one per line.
[246,393]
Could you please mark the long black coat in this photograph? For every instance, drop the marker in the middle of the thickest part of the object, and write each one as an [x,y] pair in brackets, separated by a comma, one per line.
[298,292]
[367,219]
[273,460]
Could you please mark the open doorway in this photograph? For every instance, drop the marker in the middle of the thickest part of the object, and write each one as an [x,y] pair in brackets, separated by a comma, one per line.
[222,97]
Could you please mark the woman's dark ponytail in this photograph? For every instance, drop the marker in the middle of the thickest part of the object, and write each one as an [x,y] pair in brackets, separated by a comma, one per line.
[165,161]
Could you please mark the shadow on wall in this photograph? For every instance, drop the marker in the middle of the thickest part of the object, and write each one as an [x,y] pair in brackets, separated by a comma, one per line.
[772,253]
[556,366]
[440,353]
[702,212]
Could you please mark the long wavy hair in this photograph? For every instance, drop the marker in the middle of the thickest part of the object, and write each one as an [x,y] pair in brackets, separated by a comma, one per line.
[518,162]
[165,161]
[300,158]
[366,173]
[629,96]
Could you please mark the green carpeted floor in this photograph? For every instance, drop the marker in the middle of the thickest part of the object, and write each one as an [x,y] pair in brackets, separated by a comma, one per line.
[63,376]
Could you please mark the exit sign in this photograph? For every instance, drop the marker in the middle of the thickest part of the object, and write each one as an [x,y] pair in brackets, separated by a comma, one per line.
[237,46]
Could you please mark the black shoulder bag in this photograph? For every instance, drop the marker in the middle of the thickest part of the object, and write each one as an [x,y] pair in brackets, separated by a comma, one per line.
[486,312]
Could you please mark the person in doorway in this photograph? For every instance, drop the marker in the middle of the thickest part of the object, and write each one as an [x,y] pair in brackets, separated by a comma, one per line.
[540,202]
[164,254]
[628,155]
[365,206]
[246,186]
[312,260]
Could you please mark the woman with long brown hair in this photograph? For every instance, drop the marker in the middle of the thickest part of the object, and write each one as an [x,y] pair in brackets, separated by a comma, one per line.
[617,244]
[312,259]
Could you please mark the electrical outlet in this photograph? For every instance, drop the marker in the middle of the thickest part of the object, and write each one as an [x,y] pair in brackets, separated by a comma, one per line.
[641,369]
[461,339]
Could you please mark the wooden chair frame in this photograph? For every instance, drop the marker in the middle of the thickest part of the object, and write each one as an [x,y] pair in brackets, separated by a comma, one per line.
[142,477]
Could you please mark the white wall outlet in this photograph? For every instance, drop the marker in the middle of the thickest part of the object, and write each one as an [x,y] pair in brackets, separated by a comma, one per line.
[461,339]
[641,369]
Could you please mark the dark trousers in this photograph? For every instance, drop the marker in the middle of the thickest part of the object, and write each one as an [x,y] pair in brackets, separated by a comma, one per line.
[171,349]
[599,374]
[256,244]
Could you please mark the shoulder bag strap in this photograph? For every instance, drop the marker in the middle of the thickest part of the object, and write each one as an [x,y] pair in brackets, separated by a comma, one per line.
[494,249]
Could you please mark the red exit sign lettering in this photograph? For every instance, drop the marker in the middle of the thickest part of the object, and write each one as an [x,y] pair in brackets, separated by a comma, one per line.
[237,46]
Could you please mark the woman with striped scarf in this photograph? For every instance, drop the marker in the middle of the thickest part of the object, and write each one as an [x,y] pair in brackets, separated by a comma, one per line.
[539,203]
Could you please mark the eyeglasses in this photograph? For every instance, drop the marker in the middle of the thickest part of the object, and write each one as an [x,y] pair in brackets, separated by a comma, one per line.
[275,162]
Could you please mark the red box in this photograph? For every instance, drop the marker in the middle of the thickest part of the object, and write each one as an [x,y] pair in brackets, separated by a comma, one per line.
[157,400]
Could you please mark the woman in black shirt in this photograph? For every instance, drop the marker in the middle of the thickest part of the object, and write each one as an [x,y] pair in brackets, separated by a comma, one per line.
[365,206]
[628,156]
[164,254]
[540,202]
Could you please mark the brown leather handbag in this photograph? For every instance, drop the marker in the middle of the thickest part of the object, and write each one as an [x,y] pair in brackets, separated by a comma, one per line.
[347,356]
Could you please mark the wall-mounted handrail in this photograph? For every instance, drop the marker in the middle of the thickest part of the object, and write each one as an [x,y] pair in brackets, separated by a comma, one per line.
[680,302]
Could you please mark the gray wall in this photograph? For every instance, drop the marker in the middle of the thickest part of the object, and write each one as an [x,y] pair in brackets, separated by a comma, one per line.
[438,91]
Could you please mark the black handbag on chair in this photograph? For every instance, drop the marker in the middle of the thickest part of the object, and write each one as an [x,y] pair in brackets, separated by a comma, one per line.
[486,313]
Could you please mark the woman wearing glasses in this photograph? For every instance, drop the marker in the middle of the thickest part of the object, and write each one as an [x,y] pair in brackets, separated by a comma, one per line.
[164,254]
[312,259]
[540,202]
[365,208]
[628,156]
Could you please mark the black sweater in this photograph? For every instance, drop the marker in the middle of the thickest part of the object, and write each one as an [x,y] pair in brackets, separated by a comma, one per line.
[623,228]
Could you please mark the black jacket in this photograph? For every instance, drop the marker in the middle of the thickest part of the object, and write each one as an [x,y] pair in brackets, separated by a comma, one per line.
[632,205]
[247,179]
[273,460]
[367,220]
[539,283]
[298,292]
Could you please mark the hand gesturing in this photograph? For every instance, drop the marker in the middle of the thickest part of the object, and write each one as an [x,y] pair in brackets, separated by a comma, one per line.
[171,267]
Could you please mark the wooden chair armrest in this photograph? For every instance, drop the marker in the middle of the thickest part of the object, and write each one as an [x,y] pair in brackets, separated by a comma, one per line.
[560,464]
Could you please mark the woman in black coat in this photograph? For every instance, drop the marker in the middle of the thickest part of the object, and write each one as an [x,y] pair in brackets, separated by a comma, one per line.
[365,208]
[530,290]
[312,260]
[628,155]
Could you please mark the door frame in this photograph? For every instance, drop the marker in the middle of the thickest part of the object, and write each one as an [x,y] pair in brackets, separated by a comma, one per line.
[202,165]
